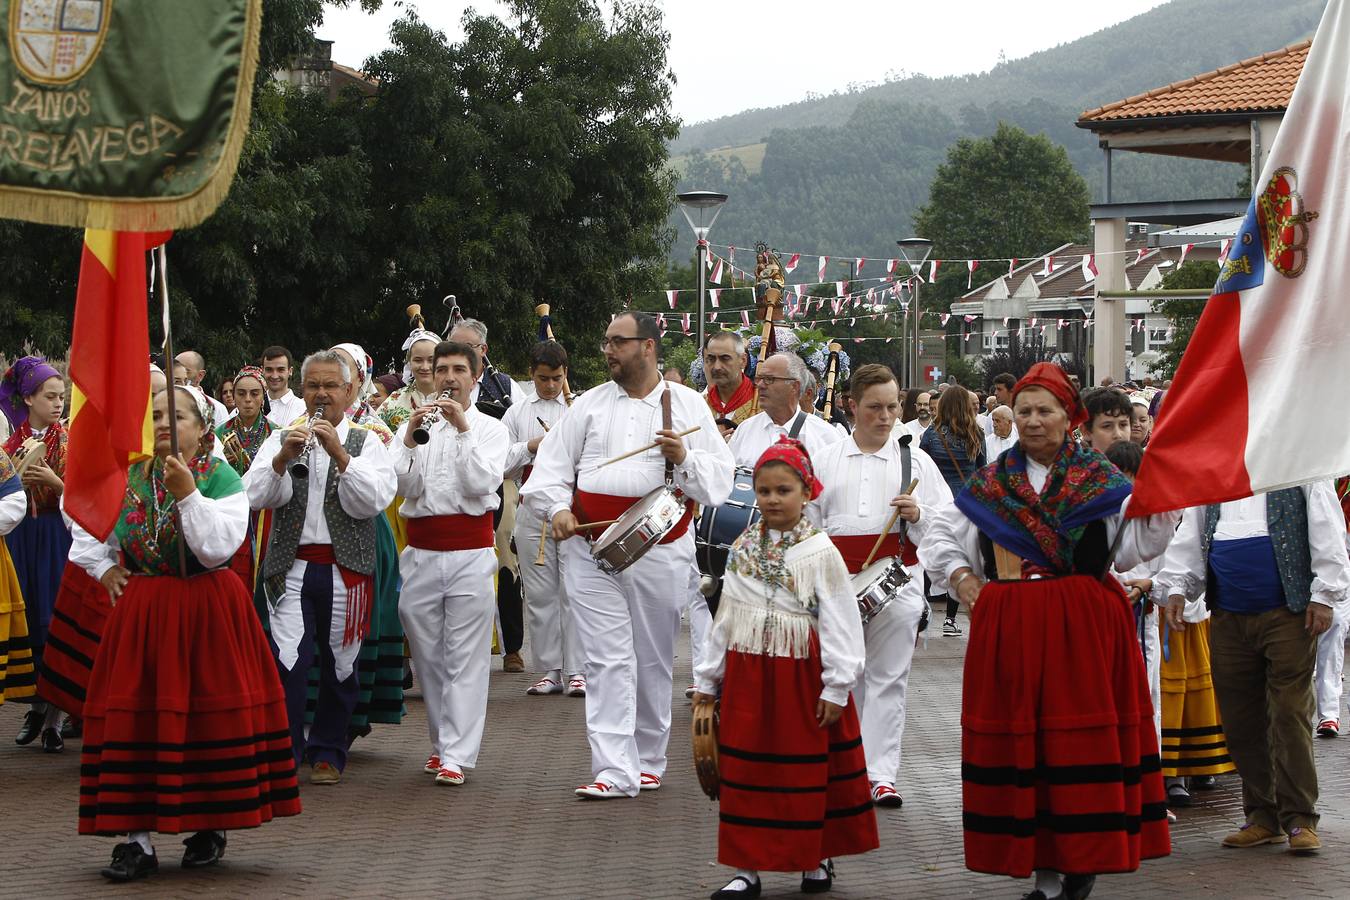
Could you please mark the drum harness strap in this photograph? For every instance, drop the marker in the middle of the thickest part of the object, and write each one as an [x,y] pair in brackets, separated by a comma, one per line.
[667,423]
[906,473]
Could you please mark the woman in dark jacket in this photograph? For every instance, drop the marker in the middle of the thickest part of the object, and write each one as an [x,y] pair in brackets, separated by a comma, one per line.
[956,444]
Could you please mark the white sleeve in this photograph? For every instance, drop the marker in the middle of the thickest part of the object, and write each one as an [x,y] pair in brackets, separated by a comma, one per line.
[1326,526]
[89,553]
[950,542]
[369,484]
[712,667]
[13,507]
[843,652]
[214,528]
[482,456]
[407,463]
[932,493]
[1183,570]
[1145,538]
[265,488]
[706,474]
[549,490]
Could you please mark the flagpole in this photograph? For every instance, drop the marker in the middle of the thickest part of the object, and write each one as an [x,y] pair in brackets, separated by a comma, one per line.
[171,395]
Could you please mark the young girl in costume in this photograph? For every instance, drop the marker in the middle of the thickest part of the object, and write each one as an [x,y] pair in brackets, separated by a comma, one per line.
[784,653]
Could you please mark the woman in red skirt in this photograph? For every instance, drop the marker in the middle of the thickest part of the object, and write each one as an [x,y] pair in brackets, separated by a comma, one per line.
[1059,758]
[785,651]
[185,720]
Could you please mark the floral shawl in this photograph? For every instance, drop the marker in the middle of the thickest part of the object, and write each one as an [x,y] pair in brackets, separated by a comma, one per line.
[43,498]
[147,529]
[251,439]
[398,407]
[757,556]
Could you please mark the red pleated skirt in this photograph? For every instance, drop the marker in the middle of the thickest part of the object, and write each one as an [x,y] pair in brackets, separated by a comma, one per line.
[82,609]
[1059,758]
[185,719]
[792,793]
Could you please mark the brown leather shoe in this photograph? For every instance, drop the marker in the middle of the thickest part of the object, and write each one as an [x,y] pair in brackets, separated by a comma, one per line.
[324,773]
[1252,835]
[512,662]
[1303,840]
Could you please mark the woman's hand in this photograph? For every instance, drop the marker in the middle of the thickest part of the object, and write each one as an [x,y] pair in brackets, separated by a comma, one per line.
[968,586]
[827,713]
[39,474]
[115,582]
[178,477]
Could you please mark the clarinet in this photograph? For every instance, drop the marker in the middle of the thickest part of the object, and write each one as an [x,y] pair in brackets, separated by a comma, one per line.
[300,468]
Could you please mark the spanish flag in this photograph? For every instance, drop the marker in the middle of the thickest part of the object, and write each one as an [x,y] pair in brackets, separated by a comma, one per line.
[110,412]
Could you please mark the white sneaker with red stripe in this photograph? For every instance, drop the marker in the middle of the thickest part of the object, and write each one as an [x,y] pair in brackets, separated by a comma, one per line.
[449,776]
[649,782]
[597,790]
[576,686]
[884,794]
[433,765]
[1328,728]
[544,687]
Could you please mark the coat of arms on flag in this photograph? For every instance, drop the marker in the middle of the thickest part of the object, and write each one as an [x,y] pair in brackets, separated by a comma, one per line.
[56,41]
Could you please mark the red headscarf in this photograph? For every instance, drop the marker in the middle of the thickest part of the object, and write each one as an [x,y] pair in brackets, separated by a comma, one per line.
[1052,378]
[786,450]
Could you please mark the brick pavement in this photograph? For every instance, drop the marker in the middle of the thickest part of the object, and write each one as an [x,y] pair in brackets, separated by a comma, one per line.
[515,831]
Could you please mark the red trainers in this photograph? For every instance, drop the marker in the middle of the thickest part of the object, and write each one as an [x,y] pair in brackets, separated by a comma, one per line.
[433,765]
[649,782]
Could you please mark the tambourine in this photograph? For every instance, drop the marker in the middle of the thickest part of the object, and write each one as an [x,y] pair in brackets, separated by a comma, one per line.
[703,729]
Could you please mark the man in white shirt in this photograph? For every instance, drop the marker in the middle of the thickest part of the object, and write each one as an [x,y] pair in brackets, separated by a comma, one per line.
[924,405]
[195,364]
[318,572]
[449,489]
[283,406]
[780,379]
[553,645]
[1004,434]
[865,482]
[626,623]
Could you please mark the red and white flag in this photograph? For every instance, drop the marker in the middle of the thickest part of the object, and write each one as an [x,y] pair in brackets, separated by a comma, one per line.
[1248,410]
[792,263]
[840,288]
[933,265]
[715,297]
[684,322]
[671,297]
[971,266]
[716,276]
[1012,264]
[1089,265]
[1185,250]
[1139,255]
[1223,251]
[857,266]
[891,265]
[745,317]
[820,269]
[1048,267]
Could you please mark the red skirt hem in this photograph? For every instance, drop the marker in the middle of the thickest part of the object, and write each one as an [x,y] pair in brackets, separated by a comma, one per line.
[78,620]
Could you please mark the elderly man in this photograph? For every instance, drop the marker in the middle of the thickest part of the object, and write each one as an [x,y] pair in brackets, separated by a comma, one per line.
[285,406]
[729,390]
[779,379]
[318,572]
[491,384]
[626,622]
[1272,569]
[195,364]
[1003,436]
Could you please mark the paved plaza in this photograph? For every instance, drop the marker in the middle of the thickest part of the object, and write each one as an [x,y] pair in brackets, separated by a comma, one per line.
[514,830]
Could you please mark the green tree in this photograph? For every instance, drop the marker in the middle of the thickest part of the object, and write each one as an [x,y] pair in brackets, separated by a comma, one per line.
[1184,312]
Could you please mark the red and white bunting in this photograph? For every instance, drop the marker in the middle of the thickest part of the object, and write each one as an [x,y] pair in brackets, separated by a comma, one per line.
[1223,251]
[1012,264]
[1048,267]
[745,317]
[971,266]
[712,318]
[1089,266]
[820,268]
[792,263]
[799,289]
[970,319]
[933,265]
[731,255]
[851,322]
[840,288]
[716,276]
[715,297]
[1139,255]
[671,296]
[891,265]
[1033,323]
[859,340]
[857,266]
[1005,321]
[684,322]
[1184,251]
[1059,326]
[944,317]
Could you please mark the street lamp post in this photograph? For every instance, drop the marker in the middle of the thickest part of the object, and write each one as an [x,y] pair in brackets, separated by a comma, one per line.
[915,250]
[700,210]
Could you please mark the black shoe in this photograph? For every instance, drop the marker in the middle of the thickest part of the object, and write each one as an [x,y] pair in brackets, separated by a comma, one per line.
[32,726]
[130,862]
[1037,894]
[730,893]
[51,741]
[1177,795]
[1203,782]
[820,885]
[1077,887]
[205,848]
[72,728]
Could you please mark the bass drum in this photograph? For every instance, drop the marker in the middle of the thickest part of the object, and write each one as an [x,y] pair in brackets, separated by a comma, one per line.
[719,526]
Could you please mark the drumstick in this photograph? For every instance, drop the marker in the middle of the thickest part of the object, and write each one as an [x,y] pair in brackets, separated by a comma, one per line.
[889,525]
[652,446]
[588,525]
[543,544]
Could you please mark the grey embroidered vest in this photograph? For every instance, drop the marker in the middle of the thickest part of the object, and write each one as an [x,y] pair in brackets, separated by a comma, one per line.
[1287,522]
[353,539]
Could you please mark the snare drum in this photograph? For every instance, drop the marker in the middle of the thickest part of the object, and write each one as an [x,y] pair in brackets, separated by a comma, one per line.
[878,585]
[640,528]
[719,526]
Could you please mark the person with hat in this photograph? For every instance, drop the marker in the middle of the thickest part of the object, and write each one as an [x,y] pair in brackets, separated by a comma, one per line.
[419,379]
[32,397]
[784,653]
[241,438]
[1059,757]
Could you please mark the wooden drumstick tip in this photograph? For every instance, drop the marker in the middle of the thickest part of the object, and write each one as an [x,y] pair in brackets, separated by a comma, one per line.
[835,346]
[414,310]
[890,523]
[541,310]
[543,545]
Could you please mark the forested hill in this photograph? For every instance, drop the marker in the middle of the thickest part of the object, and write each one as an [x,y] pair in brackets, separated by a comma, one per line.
[845,172]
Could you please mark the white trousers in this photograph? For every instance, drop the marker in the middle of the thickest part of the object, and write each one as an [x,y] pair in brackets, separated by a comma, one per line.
[880,694]
[626,625]
[1153,667]
[548,612]
[446,608]
[1330,664]
[700,621]
[288,623]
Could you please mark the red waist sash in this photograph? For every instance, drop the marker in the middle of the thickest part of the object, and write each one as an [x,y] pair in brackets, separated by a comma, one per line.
[525,476]
[360,590]
[453,532]
[855,547]
[588,507]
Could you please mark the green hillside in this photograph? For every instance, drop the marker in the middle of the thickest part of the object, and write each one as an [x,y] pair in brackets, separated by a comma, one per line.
[844,173]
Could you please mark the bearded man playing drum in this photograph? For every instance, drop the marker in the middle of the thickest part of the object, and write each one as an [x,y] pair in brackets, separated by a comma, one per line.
[626,621]
[865,479]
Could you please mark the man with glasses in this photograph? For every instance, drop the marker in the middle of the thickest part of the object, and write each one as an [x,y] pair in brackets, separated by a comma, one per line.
[491,384]
[780,379]
[729,390]
[626,623]
[320,562]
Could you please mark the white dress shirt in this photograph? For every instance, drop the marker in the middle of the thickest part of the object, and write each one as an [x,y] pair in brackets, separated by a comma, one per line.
[285,410]
[454,473]
[913,426]
[753,436]
[605,422]
[364,490]
[1184,569]
[12,510]
[994,445]
[522,426]
[859,488]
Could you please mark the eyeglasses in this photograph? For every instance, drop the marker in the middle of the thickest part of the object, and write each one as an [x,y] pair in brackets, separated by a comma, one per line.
[617,341]
[329,387]
[770,380]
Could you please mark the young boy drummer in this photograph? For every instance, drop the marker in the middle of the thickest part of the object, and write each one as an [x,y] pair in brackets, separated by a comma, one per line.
[784,653]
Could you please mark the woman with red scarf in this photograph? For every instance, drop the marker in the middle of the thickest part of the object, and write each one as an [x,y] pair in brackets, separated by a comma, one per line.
[32,397]
[1059,759]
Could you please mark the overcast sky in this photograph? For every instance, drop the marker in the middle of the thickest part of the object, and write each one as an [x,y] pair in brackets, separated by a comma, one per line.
[771,54]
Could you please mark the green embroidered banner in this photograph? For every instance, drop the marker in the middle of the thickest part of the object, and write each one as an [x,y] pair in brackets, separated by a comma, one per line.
[126,115]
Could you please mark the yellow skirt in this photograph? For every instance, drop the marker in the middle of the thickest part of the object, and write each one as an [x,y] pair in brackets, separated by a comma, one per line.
[18,677]
[1192,732]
